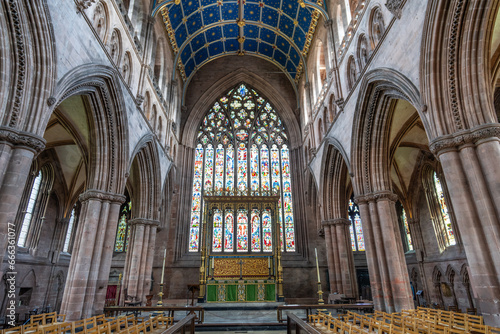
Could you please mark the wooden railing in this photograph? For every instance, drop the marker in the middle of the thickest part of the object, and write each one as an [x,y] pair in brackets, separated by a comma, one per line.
[185,325]
[296,325]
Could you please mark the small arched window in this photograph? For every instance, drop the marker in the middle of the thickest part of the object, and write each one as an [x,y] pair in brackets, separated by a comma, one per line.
[123,230]
[439,208]
[404,227]
[357,239]
[28,214]
[68,240]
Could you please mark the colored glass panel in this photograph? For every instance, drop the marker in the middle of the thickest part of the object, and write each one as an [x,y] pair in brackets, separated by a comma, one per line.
[121,233]
[242,167]
[255,223]
[217,232]
[228,230]
[194,228]
[287,199]
[219,168]
[209,167]
[230,168]
[242,231]
[444,210]
[407,231]
[359,233]
[267,232]
[356,229]
[353,242]
[264,168]
[254,168]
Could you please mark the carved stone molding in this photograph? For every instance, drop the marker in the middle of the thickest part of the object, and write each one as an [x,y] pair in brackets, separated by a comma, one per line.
[337,221]
[83,4]
[143,221]
[395,7]
[102,196]
[458,139]
[376,196]
[20,138]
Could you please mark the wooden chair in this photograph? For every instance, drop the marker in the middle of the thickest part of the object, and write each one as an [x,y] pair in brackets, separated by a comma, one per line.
[471,310]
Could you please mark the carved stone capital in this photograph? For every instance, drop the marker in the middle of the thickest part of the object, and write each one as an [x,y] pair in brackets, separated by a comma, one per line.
[143,221]
[20,138]
[334,222]
[328,23]
[99,195]
[454,141]
[376,196]
[83,4]
[395,7]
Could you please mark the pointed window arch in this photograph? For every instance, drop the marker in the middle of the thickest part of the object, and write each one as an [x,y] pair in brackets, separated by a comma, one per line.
[28,214]
[357,239]
[69,232]
[242,148]
[123,230]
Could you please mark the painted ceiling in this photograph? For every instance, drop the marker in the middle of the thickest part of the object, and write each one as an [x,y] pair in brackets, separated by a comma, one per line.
[279,31]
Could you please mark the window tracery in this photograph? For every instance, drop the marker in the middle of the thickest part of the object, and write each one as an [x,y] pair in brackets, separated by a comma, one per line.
[123,230]
[357,239]
[242,149]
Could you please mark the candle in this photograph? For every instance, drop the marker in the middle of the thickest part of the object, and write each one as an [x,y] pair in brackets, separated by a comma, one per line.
[163,269]
[212,262]
[317,265]
[269,262]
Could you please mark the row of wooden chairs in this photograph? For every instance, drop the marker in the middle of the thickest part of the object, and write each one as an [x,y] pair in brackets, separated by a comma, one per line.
[47,318]
[411,322]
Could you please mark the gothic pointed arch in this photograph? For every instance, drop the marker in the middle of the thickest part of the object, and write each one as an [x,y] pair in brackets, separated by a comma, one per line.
[108,119]
[369,150]
[225,84]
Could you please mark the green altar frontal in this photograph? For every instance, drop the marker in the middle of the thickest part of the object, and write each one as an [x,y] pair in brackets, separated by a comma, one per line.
[241,291]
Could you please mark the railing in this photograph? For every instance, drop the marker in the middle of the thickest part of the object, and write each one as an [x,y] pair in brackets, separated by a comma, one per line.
[186,325]
[296,325]
[196,311]
[341,308]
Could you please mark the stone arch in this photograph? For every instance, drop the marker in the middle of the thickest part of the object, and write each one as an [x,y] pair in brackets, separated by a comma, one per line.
[222,86]
[115,46]
[159,130]
[159,63]
[369,152]
[352,72]
[146,106]
[127,68]
[334,175]
[109,140]
[100,20]
[363,51]
[152,117]
[456,42]
[376,26]
[27,47]
[148,193]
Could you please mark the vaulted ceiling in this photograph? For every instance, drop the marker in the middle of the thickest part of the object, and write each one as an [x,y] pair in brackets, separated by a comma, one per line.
[279,31]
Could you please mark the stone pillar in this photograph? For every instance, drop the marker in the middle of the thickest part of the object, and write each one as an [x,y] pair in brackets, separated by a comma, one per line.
[17,151]
[139,262]
[91,254]
[340,257]
[470,161]
[384,252]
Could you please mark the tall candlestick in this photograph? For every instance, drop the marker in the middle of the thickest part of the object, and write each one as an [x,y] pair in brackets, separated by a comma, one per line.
[163,270]
[317,265]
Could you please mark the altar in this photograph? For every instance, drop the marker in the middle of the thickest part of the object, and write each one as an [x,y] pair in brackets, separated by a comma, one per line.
[240,257]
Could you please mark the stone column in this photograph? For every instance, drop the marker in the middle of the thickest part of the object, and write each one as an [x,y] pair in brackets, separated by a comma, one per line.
[139,263]
[470,161]
[384,252]
[87,261]
[340,257]
[17,151]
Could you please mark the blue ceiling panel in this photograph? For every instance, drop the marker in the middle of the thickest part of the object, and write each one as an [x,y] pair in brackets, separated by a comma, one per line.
[251,31]
[252,12]
[250,45]
[201,56]
[231,31]
[215,49]
[211,15]
[274,29]
[213,34]
[181,34]
[270,16]
[286,25]
[280,57]
[232,45]
[266,49]
[267,36]
[229,11]
[189,6]
[194,23]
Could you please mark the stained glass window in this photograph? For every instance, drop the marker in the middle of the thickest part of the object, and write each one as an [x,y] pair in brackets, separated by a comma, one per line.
[444,211]
[217,236]
[242,148]
[357,240]
[123,230]
[28,215]
[407,230]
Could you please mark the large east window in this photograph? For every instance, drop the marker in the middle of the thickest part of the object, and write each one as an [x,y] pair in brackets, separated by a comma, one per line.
[242,150]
